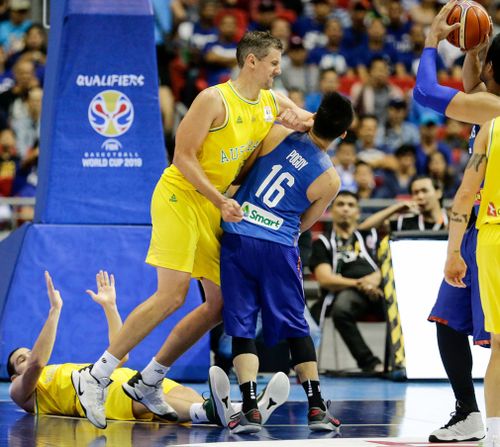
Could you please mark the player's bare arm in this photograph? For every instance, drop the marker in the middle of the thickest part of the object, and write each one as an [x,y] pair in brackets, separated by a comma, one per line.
[24,385]
[455,267]
[206,112]
[377,219]
[321,193]
[291,115]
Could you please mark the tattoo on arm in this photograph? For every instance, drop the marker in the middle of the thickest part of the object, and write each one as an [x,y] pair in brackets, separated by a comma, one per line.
[475,161]
[459,218]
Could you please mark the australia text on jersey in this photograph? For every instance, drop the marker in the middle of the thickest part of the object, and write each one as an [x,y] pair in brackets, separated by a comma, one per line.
[234,153]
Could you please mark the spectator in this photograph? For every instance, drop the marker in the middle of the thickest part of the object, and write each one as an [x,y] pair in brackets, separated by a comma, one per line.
[220,56]
[331,55]
[311,28]
[9,163]
[345,264]
[12,31]
[424,12]
[429,143]
[375,48]
[397,131]
[297,96]
[426,211]
[355,36]
[365,180]
[266,14]
[374,95]
[456,136]
[24,81]
[184,10]
[6,77]
[396,181]
[282,29]
[202,32]
[328,82]
[398,28]
[25,120]
[441,172]
[367,148]
[344,161]
[295,72]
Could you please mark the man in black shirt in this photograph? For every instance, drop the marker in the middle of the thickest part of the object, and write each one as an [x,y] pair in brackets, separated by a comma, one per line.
[423,212]
[345,264]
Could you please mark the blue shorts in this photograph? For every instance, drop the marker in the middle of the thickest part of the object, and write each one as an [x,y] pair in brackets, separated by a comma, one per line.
[461,309]
[262,275]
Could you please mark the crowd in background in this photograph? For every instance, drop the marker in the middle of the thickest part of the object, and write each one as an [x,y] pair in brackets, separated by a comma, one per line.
[368,50]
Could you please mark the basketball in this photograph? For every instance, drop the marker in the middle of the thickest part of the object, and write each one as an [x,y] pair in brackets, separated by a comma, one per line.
[474,22]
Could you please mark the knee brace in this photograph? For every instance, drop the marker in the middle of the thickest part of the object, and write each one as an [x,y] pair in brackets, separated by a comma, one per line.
[302,350]
[243,346]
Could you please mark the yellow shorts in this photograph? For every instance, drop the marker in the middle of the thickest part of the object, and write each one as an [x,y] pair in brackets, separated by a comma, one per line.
[488,263]
[118,405]
[186,232]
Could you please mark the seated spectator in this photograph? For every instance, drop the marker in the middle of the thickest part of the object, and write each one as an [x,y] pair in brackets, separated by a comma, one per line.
[328,82]
[355,35]
[297,96]
[426,210]
[345,265]
[295,72]
[25,120]
[373,95]
[440,171]
[9,163]
[368,150]
[12,31]
[220,56]
[239,9]
[24,81]
[456,136]
[263,13]
[396,180]
[365,180]
[34,50]
[398,27]
[429,143]
[311,29]
[197,35]
[344,161]
[282,29]
[375,48]
[397,131]
[332,54]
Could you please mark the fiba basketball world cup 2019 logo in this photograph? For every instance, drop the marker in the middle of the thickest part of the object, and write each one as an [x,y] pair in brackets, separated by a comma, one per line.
[111,113]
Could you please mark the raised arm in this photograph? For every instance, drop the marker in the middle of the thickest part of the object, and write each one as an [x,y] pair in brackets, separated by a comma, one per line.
[471,108]
[206,111]
[24,385]
[291,115]
[106,298]
[321,193]
[455,267]
[378,218]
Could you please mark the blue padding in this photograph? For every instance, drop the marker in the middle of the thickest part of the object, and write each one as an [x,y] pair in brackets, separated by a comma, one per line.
[102,147]
[125,7]
[73,254]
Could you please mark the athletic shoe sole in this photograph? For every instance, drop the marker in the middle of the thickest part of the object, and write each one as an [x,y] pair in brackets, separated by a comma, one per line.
[476,437]
[275,394]
[219,390]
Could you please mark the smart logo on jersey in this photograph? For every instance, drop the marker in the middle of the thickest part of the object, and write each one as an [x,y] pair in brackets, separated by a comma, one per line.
[111,113]
[258,216]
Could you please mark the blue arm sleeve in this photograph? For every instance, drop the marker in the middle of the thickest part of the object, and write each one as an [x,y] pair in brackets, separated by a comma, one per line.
[428,92]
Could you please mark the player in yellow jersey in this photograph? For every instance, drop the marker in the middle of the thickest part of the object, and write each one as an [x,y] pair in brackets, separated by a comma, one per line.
[222,128]
[47,389]
[484,166]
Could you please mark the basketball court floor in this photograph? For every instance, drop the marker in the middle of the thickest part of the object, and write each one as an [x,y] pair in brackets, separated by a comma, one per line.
[374,413]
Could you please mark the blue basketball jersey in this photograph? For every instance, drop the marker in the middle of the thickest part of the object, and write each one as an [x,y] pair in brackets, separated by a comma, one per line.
[273,196]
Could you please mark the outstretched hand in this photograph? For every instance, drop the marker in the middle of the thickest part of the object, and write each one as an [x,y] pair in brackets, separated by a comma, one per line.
[54,295]
[106,294]
[454,271]
[439,28]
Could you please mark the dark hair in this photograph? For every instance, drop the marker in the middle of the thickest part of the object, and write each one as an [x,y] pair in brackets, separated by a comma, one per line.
[368,116]
[493,56]
[347,193]
[325,71]
[405,149]
[435,182]
[334,116]
[376,59]
[11,370]
[257,43]
[362,163]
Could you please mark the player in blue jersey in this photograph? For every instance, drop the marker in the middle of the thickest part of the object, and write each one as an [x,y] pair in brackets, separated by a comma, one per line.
[458,312]
[288,188]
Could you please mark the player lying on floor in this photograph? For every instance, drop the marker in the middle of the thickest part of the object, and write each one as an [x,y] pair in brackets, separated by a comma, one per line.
[47,389]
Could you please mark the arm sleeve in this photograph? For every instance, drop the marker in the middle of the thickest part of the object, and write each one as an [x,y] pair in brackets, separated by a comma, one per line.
[428,92]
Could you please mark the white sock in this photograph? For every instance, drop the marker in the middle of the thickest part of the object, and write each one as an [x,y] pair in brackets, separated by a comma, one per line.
[105,366]
[493,426]
[154,372]
[197,413]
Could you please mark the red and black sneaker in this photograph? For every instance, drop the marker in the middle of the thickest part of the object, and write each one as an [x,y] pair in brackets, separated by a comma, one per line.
[322,420]
[249,422]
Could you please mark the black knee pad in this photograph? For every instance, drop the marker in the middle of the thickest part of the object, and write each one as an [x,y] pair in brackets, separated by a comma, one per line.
[243,346]
[302,350]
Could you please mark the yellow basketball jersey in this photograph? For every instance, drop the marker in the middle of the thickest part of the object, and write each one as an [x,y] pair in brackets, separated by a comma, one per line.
[489,211]
[55,393]
[226,147]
